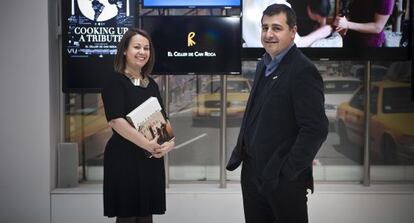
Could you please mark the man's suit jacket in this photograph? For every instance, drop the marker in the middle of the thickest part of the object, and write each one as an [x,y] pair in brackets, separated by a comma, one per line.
[291,124]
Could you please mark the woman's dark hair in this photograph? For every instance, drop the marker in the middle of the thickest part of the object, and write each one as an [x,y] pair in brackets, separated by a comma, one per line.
[120,58]
[320,7]
[276,9]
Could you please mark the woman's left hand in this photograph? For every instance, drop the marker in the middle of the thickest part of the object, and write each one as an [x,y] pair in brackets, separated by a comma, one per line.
[341,24]
[165,148]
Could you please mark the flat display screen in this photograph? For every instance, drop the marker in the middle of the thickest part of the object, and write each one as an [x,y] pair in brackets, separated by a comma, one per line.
[189,3]
[195,44]
[318,36]
[91,31]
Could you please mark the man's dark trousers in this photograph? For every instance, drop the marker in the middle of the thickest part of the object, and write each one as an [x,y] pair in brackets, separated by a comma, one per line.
[287,203]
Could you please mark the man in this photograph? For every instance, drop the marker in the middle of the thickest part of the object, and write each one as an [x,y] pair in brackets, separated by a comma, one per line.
[283,127]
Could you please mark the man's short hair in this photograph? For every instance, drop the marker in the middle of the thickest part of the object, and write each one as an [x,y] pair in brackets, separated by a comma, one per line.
[276,9]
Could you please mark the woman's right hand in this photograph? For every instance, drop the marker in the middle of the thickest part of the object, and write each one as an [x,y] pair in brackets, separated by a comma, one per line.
[152,145]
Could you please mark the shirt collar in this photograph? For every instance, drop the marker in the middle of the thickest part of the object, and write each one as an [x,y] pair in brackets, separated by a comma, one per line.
[270,64]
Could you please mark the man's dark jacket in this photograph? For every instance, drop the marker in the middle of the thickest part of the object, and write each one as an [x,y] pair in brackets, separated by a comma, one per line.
[291,124]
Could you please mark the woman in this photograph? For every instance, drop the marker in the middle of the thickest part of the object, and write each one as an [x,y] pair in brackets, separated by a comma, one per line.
[311,21]
[364,27]
[134,184]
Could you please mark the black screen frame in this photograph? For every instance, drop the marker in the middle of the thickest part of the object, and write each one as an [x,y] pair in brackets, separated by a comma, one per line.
[84,75]
[145,6]
[340,54]
[193,18]
[412,48]
[347,54]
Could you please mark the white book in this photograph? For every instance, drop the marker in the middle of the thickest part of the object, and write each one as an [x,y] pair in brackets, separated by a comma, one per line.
[148,119]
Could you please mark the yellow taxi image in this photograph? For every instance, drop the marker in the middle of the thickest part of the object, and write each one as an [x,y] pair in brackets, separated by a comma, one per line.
[392,122]
[207,102]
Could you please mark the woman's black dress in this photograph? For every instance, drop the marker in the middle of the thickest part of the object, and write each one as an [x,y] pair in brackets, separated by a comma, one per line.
[134,185]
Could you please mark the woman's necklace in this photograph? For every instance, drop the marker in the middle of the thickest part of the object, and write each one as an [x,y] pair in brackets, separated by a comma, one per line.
[136,81]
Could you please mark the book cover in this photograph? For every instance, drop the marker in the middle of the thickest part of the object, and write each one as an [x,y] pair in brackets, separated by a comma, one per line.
[148,119]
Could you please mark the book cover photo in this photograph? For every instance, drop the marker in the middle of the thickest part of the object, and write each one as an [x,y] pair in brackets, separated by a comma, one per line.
[148,119]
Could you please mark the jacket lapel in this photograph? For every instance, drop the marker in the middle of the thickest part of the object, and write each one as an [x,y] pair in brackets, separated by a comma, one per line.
[271,84]
[259,72]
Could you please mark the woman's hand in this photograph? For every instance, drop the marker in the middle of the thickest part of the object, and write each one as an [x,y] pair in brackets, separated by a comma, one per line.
[325,31]
[152,146]
[341,24]
[164,149]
